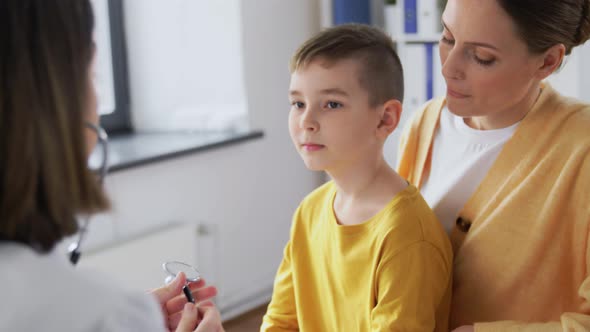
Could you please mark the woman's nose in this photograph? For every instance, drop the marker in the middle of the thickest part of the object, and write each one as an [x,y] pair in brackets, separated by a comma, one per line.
[452,66]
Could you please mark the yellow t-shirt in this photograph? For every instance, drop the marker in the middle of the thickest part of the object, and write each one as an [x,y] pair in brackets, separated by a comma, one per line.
[390,273]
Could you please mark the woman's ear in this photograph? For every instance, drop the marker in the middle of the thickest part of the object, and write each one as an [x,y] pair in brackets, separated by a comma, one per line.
[552,60]
[390,115]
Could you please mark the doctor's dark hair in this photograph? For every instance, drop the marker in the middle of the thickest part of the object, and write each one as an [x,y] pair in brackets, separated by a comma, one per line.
[381,73]
[46,49]
[545,23]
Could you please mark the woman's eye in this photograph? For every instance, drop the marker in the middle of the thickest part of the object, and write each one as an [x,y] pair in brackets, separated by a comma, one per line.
[484,62]
[447,40]
[333,104]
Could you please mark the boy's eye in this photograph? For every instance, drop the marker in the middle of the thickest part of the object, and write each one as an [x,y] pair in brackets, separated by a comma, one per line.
[333,104]
[298,104]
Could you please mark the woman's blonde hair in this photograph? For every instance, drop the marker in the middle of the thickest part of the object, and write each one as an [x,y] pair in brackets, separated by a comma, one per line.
[46,48]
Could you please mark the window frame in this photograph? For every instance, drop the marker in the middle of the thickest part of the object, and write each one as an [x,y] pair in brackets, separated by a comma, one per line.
[119,121]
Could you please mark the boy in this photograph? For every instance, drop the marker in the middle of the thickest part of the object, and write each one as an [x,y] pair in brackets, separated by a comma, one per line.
[366,253]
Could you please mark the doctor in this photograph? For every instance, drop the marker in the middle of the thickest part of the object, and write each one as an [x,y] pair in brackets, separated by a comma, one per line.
[46,97]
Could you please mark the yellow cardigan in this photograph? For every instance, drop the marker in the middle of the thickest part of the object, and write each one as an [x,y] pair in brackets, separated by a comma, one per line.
[522,251]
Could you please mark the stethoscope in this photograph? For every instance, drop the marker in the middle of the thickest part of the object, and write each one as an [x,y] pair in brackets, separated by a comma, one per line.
[101,134]
[172,268]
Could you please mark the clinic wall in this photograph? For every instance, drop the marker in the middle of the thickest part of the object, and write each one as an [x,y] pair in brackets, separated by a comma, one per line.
[237,200]
[586,73]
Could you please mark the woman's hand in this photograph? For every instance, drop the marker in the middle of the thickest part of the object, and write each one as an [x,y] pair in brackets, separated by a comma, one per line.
[172,299]
[464,328]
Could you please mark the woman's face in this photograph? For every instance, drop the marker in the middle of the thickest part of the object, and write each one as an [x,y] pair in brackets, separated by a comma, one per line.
[91,114]
[489,71]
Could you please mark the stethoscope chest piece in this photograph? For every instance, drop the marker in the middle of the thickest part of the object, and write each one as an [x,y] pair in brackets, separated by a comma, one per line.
[172,268]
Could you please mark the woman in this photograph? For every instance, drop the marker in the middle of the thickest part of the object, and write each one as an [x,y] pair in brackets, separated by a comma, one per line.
[504,160]
[46,97]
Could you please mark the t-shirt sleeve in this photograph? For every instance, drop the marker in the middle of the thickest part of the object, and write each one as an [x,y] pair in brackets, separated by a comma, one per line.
[412,286]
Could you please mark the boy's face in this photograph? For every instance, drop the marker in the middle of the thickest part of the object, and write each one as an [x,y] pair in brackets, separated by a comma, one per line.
[331,122]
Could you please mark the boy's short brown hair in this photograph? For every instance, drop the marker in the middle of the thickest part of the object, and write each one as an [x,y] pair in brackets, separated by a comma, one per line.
[381,70]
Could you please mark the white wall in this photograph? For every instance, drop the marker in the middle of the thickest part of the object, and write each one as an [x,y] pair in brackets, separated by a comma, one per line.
[585,72]
[185,62]
[243,195]
[573,79]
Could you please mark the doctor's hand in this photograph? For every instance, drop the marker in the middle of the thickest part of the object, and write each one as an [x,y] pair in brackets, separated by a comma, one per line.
[172,299]
[210,321]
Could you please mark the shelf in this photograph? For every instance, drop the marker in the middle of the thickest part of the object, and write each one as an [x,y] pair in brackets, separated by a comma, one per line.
[420,39]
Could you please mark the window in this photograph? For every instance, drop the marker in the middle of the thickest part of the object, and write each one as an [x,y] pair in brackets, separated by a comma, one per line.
[179,62]
[111,66]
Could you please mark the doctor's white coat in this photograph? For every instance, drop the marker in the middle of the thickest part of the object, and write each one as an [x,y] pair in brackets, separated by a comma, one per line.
[46,293]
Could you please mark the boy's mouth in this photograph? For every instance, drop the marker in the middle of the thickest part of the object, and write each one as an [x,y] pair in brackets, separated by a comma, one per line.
[312,146]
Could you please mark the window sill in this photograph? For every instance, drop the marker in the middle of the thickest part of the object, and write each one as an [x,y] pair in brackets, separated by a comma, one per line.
[138,149]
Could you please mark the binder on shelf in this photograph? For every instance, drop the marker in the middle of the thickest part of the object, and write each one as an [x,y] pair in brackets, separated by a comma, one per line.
[440,86]
[410,16]
[393,19]
[422,17]
[428,17]
[351,11]
[423,78]
[413,61]
[429,70]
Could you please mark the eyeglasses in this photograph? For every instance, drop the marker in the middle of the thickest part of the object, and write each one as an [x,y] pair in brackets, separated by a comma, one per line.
[101,169]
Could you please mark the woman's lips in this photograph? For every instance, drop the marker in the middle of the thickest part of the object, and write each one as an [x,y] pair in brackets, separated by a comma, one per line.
[455,94]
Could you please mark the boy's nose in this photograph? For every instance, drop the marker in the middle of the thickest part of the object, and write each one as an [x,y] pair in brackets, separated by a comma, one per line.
[308,121]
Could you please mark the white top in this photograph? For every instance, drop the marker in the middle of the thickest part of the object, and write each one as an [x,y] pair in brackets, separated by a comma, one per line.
[47,293]
[461,157]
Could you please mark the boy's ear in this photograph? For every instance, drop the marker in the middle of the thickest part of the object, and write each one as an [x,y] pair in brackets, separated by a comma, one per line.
[390,115]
